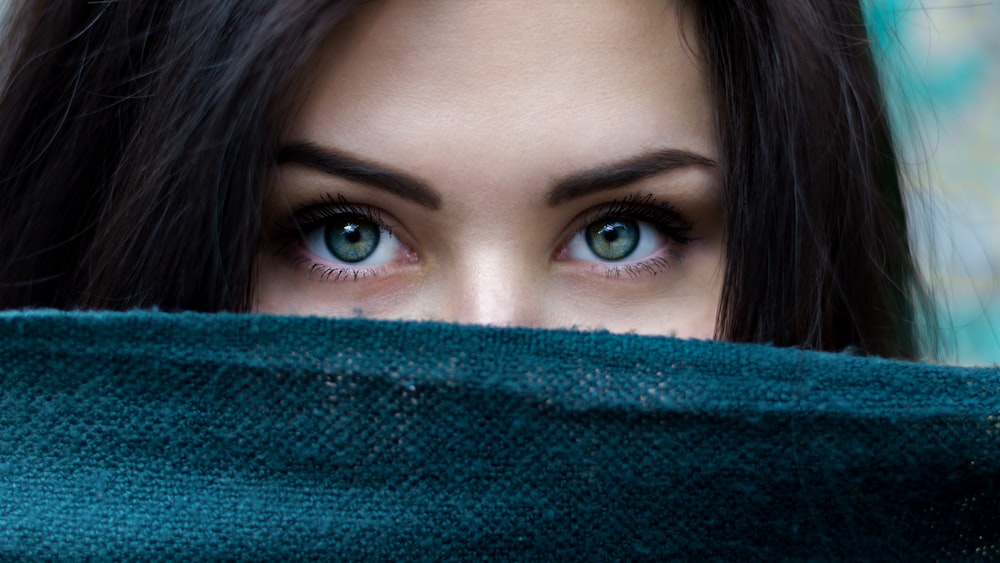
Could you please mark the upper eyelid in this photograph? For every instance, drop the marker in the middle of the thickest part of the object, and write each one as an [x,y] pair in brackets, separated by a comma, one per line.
[341,204]
[642,207]
[316,218]
[326,207]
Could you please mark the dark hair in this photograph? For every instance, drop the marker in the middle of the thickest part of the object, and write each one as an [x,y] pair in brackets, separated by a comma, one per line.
[137,143]
[818,253]
[139,138]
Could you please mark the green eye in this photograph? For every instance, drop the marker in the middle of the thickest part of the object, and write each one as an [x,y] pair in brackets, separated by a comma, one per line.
[612,239]
[351,239]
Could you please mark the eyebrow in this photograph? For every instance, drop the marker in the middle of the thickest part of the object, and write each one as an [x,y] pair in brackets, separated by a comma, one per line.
[624,172]
[602,178]
[337,163]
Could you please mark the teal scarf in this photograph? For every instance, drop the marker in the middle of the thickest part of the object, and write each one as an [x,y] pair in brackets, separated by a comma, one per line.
[190,436]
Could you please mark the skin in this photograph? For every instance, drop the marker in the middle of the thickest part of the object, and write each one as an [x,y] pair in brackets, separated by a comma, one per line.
[490,105]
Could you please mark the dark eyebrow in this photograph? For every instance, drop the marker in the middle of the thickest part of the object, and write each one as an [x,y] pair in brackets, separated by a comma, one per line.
[623,173]
[336,163]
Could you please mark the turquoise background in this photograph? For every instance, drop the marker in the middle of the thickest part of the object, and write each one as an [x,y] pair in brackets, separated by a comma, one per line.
[940,63]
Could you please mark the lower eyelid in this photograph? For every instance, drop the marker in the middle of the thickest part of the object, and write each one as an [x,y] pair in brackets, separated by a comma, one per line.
[332,272]
[648,267]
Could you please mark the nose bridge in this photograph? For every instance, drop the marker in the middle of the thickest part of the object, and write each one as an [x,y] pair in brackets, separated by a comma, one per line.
[491,287]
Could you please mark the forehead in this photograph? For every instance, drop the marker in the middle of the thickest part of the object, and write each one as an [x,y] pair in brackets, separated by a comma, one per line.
[511,87]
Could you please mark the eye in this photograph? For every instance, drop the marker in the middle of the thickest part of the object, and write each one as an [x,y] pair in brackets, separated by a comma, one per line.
[615,240]
[354,240]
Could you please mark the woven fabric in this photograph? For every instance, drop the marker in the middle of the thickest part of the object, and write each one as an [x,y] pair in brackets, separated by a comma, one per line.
[185,436]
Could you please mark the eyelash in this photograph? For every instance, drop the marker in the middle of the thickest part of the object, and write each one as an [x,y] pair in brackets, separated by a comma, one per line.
[290,233]
[647,209]
[636,207]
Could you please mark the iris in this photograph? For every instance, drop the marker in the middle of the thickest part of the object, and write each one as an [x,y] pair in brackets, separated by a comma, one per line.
[613,239]
[351,239]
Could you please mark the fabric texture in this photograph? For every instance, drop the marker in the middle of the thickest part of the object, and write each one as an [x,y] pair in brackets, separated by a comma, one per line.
[161,436]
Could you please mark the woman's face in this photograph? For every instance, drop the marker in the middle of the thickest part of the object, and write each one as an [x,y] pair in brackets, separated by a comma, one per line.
[546,164]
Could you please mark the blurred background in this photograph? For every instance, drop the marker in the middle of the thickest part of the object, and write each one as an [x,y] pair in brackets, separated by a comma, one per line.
[941,63]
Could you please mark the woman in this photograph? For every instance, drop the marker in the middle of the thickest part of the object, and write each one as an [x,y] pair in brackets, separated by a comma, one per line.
[709,169]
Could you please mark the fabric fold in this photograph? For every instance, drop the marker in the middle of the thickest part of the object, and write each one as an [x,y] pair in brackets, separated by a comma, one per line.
[150,435]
